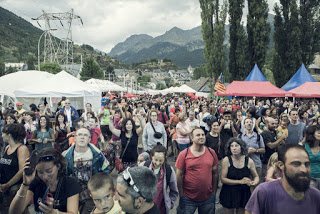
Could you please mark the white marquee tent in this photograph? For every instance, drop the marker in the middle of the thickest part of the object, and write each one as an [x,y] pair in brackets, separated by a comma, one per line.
[54,87]
[105,85]
[10,82]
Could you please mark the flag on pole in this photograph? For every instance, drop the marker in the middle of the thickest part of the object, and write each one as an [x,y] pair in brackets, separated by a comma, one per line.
[219,85]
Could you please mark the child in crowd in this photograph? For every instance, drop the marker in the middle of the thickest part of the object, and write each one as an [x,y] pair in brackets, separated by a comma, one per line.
[102,190]
[144,156]
[95,133]
[174,137]
[283,128]
[77,124]
[273,171]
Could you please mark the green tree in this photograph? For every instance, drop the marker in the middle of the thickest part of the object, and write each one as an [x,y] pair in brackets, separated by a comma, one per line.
[30,63]
[287,58]
[50,67]
[143,80]
[207,12]
[168,81]
[2,69]
[238,53]
[160,86]
[200,72]
[309,11]
[220,52]
[91,69]
[258,30]
[11,70]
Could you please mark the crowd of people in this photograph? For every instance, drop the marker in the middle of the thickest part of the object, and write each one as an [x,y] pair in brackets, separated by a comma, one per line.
[265,153]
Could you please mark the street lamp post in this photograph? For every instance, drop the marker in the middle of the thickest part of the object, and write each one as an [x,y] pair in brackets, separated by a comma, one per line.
[39,49]
[44,32]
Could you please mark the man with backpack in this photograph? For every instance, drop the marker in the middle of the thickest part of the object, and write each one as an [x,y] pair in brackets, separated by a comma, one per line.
[254,143]
[197,176]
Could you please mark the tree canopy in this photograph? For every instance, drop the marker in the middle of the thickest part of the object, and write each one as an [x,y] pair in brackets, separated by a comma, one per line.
[91,69]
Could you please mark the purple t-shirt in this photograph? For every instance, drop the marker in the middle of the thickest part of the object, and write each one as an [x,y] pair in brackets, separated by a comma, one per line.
[271,198]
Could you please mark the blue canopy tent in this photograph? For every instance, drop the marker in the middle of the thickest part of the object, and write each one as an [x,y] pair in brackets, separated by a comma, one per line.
[256,75]
[298,79]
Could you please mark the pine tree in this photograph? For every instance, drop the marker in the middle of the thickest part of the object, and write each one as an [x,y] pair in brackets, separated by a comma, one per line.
[91,69]
[287,58]
[258,30]
[213,37]
[2,69]
[309,11]
[238,54]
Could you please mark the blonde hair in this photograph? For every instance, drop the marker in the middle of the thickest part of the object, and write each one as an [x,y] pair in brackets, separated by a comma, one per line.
[181,116]
[273,160]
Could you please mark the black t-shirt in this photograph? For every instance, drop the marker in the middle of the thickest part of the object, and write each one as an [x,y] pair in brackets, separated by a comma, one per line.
[225,135]
[268,137]
[153,210]
[212,142]
[131,154]
[69,187]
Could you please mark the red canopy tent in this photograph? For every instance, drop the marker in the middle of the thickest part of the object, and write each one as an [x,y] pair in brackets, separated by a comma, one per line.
[254,89]
[307,89]
[130,95]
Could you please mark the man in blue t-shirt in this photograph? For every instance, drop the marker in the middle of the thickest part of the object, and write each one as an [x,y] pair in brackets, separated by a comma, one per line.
[290,194]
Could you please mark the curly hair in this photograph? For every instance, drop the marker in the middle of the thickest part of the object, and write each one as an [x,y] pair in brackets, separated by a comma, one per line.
[47,122]
[16,130]
[310,139]
[239,141]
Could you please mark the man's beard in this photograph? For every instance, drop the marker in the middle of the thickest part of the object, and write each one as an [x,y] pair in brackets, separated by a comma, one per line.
[297,182]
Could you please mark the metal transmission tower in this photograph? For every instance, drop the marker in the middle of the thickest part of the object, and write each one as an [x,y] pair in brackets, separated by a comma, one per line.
[60,51]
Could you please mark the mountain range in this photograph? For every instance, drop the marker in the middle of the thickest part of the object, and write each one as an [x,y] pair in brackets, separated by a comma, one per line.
[183,47]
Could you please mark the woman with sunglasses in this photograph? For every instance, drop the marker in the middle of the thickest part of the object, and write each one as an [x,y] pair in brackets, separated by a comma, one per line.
[11,164]
[51,191]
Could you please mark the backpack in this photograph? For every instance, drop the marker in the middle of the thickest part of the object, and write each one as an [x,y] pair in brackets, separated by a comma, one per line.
[167,168]
[207,148]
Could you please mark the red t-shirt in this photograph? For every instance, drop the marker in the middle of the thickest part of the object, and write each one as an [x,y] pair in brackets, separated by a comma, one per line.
[197,179]
[172,110]
[95,132]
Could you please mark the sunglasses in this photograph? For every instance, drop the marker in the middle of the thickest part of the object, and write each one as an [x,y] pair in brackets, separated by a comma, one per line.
[128,178]
[46,158]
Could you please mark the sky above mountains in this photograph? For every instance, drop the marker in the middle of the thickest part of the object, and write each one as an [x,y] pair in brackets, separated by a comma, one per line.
[108,22]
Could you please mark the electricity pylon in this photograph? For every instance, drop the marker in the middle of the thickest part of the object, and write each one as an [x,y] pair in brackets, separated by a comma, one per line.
[60,51]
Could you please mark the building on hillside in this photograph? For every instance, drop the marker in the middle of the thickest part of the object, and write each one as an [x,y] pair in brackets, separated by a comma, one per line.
[121,73]
[317,59]
[154,82]
[16,66]
[190,70]
[156,73]
[200,85]
[314,69]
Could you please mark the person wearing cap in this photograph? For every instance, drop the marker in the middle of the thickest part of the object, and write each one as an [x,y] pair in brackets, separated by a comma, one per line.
[20,110]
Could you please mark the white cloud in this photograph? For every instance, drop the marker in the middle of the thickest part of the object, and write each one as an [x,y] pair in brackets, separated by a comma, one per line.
[108,22]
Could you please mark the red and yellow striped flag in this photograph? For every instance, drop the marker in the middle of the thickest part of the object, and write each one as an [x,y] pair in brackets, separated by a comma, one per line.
[219,85]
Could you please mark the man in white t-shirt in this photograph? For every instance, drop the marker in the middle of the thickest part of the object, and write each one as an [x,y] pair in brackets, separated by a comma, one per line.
[192,120]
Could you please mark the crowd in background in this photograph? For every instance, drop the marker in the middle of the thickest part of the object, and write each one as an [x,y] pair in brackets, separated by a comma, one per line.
[243,136]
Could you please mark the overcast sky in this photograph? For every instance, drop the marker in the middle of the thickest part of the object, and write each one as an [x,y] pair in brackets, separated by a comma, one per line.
[108,22]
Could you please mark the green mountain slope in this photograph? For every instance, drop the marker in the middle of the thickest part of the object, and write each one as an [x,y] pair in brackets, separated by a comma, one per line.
[19,41]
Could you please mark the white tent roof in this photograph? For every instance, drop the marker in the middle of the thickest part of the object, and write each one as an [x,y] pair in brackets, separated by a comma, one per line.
[184,89]
[105,85]
[61,84]
[10,82]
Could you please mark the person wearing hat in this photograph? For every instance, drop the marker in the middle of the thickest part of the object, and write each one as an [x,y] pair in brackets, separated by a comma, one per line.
[20,110]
